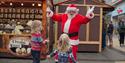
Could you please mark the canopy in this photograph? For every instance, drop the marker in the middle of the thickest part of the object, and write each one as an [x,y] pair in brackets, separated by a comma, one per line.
[120,9]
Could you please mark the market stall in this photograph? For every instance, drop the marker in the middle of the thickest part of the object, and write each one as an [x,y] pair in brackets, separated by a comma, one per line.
[14,32]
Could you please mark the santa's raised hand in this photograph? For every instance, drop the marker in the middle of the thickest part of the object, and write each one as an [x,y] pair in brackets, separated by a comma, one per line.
[49,12]
[90,13]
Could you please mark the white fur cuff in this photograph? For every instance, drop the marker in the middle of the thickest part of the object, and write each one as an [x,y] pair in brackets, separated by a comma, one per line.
[90,15]
[74,42]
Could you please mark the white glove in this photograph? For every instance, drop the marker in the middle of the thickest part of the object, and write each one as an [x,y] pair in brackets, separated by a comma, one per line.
[49,12]
[90,13]
[48,9]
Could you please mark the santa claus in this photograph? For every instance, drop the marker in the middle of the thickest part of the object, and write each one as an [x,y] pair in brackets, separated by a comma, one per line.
[71,22]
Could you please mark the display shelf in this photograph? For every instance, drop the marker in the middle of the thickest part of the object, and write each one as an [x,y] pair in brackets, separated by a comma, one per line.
[11,16]
[20,13]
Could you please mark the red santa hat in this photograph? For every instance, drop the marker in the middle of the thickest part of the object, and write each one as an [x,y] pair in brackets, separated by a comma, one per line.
[72,7]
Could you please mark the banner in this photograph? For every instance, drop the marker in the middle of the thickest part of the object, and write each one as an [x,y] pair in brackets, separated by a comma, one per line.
[19,46]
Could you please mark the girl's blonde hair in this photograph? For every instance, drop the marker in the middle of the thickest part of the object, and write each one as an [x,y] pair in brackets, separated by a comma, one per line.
[36,26]
[63,44]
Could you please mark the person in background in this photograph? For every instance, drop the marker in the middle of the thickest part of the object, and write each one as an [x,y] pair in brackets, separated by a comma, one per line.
[110,29]
[104,29]
[121,30]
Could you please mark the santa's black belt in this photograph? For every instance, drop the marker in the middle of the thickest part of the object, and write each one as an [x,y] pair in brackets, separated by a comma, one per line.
[72,34]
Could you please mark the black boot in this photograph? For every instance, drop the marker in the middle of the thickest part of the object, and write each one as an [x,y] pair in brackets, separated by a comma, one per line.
[56,62]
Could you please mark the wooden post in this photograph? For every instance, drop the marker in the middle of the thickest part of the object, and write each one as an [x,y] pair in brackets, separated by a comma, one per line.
[44,25]
[44,20]
[101,16]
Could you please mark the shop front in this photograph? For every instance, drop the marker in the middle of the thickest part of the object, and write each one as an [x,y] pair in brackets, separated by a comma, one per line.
[14,32]
[16,42]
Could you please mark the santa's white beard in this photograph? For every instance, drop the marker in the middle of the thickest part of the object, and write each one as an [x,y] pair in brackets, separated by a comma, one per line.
[71,15]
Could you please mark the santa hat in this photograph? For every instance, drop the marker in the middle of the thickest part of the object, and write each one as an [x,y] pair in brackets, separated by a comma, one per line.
[72,7]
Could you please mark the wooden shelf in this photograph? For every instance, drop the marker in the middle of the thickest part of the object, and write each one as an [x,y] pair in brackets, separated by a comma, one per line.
[20,13]
[16,34]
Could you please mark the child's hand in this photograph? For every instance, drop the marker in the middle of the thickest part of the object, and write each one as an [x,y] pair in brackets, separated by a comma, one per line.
[48,56]
[45,41]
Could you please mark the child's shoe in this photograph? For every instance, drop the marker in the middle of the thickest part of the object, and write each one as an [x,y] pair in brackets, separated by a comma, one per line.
[56,62]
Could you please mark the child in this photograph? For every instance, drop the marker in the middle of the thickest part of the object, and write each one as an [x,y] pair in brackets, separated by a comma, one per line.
[63,50]
[36,39]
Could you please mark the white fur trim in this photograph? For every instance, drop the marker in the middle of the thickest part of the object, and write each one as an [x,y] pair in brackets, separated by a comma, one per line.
[90,15]
[74,42]
[77,10]
[71,8]
[67,25]
[68,22]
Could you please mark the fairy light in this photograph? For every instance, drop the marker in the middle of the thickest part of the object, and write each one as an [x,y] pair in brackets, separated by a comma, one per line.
[11,4]
[33,4]
[39,5]
[22,4]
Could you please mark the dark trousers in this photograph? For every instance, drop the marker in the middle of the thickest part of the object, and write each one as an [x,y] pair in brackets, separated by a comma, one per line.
[103,39]
[121,39]
[36,56]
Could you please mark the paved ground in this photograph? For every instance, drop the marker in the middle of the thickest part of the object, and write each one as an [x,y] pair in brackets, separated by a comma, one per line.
[116,43]
[46,61]
[109,55]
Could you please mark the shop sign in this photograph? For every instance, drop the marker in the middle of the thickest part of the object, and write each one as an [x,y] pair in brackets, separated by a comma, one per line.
[119,11]
[20,46]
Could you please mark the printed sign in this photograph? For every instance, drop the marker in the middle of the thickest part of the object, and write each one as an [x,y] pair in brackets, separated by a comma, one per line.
[20,46]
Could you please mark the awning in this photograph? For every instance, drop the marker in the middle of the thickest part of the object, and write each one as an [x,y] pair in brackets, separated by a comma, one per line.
[119,10]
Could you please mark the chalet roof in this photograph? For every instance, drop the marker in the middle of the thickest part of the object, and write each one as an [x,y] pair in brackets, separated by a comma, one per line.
[86,2]
[28,3]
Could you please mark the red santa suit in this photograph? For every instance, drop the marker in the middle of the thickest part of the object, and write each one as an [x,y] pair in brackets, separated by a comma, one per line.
[71,25]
